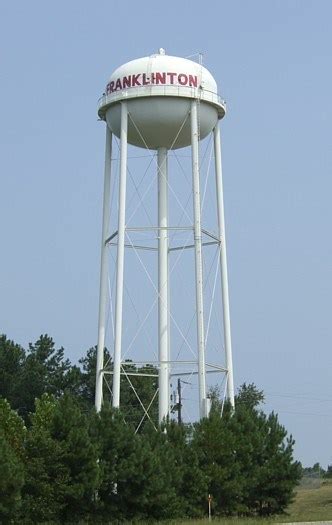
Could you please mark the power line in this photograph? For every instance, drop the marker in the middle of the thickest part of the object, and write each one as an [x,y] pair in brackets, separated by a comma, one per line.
[304,397]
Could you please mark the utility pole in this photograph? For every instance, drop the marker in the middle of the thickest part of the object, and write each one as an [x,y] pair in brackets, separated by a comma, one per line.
[179,402]
[177,399]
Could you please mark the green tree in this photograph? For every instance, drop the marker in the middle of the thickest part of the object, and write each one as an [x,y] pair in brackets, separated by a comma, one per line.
[213,441]
[247,457]
[13,428]
[44,370]
[12,357]
[88,375]
[62,468]
[11,481]
[135,482]
[188,479]
[278,473]
[46,476]
[249,396]
[265,453]
[328,473]
[71,428]
[25,376]
[316,471]
[12,453]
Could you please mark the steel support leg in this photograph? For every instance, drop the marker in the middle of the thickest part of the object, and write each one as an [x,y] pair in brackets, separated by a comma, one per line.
[223,266]
[120,256]
[198,261]
[103,272]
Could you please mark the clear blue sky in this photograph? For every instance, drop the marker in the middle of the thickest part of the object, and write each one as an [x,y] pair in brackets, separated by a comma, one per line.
[272,62]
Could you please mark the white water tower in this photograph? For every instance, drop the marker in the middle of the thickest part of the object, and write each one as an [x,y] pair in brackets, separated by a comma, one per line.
[162,103]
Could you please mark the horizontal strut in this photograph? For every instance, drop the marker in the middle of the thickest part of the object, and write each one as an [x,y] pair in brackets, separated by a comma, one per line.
[155,364]
[194,373]
[157,228]
[131,373]
[187,246]
[136,246]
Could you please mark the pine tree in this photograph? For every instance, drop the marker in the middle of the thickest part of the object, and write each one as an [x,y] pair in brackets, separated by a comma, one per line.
[279,473]
[12,357]
[70,428]
[136,480]
[44,370]
[62,469]
[13,428]
[11,481]
[88,375]
[191,483]
[247,457]
[12,453]
[213,442]
[265,453]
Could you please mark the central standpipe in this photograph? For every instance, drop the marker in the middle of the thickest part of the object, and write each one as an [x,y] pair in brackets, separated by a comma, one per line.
[198,260]
[163,307]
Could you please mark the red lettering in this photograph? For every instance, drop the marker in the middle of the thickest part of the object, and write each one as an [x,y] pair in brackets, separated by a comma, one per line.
[109,88]
[160,78]
[171,76]
[192,81]
[183,79]
[135,81]
[126,82]
[146,81]
[157,78]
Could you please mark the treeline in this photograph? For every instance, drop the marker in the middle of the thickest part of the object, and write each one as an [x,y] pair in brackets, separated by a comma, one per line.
[60,462]
[317,471]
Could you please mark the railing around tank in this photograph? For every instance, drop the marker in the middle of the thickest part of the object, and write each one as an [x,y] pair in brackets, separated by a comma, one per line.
[152,90]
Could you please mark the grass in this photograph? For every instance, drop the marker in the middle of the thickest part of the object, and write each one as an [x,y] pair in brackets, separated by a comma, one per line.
[312,504]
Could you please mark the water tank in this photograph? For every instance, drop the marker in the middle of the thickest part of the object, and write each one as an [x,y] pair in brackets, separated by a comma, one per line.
[158,90]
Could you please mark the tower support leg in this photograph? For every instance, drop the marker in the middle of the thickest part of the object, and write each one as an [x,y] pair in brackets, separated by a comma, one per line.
[120,256]
[163,313]
[223,266]
[103,272]
[198,260]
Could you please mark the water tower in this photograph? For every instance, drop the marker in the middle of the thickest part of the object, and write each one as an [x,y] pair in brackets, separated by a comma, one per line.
[163,103]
